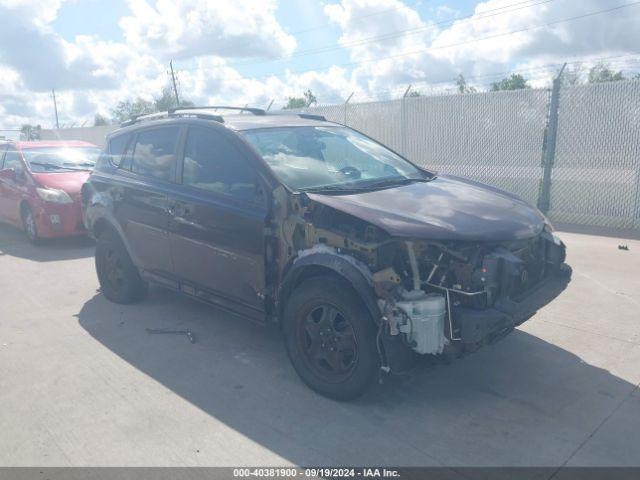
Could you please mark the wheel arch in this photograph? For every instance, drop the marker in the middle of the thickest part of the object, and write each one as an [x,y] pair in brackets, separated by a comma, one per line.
[103,224]
[332,264]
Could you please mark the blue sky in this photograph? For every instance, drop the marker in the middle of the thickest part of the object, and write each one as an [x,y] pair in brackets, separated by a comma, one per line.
[96,53]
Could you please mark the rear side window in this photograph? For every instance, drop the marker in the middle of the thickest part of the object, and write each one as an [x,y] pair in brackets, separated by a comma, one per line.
[154,154]
[213,164]
[116,148]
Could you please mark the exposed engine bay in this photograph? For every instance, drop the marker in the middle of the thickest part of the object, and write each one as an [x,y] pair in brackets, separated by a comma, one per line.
[433,296]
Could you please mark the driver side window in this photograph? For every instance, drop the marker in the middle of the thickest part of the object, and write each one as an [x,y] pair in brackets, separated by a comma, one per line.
[213,164]
[13,160]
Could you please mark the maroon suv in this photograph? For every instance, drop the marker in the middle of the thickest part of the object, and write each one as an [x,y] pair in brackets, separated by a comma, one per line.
[363,258]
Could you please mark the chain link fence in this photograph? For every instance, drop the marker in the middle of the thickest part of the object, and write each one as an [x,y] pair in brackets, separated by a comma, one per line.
[596,172]
[499,138]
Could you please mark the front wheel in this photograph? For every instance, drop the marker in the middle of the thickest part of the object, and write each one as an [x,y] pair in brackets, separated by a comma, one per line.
[331,338]
[119,279]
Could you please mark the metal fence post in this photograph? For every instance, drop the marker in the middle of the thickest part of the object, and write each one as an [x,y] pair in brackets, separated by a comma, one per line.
[551,135]
[346,104]
[403,123]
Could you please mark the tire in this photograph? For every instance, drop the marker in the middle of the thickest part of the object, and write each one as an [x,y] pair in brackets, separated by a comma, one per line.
[119,279]
[29,225]
[331,338]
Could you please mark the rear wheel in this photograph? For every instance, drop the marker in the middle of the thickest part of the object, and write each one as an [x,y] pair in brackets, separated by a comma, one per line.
[119,278]
[330,338]
[29,224]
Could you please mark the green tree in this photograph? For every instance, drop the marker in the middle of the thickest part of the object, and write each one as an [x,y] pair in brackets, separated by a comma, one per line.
[301,102]
[127,109]
[513,82]
[461,84]
[602,73]
[100,120]
[167,100]
[30,132]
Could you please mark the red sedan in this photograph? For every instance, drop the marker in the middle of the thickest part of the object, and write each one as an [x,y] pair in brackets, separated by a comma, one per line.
[40,186]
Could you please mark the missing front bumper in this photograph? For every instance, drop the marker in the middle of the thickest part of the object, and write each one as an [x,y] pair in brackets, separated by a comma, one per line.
[477,327]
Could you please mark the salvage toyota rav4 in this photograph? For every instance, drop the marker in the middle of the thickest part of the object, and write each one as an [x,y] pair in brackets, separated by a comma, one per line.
[362,258]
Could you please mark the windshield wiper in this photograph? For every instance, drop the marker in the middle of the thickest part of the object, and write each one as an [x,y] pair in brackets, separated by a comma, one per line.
[56,166]
[331,188]
[349,188]
[393,182]
[49,165]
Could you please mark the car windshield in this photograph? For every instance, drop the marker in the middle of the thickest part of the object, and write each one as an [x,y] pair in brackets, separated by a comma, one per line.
[325,158]
[60,159]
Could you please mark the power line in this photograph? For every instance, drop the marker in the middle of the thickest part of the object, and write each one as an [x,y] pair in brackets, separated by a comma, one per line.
[393,35]
[441,47]
[543,69]
[369,15]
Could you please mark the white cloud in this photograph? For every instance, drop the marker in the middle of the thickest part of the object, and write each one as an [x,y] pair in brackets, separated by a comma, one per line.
[92,74]
[191,28]
[431,53]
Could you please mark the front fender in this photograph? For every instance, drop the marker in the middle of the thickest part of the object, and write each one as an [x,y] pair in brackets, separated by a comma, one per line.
[350,269]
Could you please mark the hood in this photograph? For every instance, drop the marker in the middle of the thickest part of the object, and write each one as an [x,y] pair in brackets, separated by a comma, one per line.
[70,182]
[446,208]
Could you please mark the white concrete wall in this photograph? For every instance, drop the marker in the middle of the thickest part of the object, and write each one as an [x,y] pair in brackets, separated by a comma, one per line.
[95,135]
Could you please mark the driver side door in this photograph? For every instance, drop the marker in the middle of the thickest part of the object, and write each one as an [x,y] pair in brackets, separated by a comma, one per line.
[217,224]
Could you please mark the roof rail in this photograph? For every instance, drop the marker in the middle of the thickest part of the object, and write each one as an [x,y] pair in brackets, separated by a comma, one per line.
[308,116]
[171,114]
[255,111]
[311,116]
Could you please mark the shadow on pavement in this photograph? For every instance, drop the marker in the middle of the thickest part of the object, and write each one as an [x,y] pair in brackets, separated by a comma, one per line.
[13,242]
[520,402]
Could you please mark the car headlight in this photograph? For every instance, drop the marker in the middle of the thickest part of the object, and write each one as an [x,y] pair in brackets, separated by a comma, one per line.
[54,196]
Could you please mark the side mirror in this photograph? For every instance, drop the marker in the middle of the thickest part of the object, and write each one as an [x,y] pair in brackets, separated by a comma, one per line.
[8,174]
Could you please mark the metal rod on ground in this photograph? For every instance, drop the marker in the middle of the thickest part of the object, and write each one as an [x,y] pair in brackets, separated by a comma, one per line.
[173,79]
[544,199]
[55,107]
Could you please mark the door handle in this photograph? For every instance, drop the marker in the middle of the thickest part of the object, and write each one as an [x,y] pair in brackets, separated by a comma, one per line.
[177,209]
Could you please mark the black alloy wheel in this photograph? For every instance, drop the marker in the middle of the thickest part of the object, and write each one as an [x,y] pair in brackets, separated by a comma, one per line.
[331,337]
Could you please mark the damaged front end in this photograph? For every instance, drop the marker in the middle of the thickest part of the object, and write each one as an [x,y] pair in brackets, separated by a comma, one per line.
[455,297]
[430,296]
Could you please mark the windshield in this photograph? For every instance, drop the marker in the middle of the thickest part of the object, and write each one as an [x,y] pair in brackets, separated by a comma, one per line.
[60,159]
[307,158]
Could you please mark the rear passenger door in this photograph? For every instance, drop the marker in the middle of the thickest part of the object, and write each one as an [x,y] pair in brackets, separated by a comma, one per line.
[217,225]
[148,175]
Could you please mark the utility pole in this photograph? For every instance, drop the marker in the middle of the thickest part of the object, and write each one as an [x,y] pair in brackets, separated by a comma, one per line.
[55,107]
[173,79]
